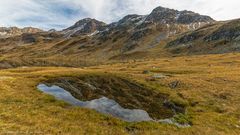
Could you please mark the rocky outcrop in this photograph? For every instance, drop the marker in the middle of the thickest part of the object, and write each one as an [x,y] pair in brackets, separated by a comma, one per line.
[229,31]
[84,27]
[219,37]
[15,31]
[170,16]
[135,28]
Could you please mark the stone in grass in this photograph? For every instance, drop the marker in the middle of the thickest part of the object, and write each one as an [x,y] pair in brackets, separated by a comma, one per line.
[146,72]
[159,76]
[174,84]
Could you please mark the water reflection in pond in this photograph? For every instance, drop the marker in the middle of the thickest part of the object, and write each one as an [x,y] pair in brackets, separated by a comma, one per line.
[102,105]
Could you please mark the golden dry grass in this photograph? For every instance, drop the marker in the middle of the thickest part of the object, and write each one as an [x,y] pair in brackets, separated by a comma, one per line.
[209,84]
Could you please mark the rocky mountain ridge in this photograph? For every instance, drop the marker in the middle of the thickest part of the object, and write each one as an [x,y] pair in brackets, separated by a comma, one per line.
[83,27]
[221,37]
[159,16]
[15,31]
[162,33]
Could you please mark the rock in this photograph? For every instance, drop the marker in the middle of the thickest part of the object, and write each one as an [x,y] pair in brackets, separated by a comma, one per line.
[91,86]
[150,79]
[84,27]
[169,16]
[194,103]
[131,20]
[188,17]
[158,76]
[185,39]
[228,31]
[28,38]
[52,30]
[173,122]
[146,72]
[174,84]
[177,109]
[15,31]
[220,109]
[224,96]
[137,35]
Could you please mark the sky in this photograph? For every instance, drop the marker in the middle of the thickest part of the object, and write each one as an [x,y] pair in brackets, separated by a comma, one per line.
[60,14]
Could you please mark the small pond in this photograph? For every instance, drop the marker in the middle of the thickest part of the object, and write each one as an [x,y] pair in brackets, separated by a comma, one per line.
[115,96]
[102,105]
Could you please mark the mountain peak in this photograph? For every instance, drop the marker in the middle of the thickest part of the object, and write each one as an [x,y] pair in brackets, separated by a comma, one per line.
[162,9]
[87,20]
[167,15]
[131,19]
[84,27]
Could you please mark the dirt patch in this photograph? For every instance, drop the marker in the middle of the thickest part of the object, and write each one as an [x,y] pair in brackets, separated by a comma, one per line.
[127,93]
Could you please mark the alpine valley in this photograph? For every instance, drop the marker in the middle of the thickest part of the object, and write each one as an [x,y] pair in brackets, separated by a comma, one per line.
[163,33]
[166,73]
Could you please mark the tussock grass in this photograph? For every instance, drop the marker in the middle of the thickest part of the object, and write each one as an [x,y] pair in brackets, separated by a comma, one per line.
[211,93]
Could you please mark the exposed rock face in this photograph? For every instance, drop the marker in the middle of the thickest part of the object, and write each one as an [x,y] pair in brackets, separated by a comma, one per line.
[28,38]
[220,37]
[14,31]
[187,17]
[52,30]
[187,38]
[163,15]
[137,35]
[137,26]
[84,27]
[134,29]
[131,20]
[229,31]
[170,16]
[168,22]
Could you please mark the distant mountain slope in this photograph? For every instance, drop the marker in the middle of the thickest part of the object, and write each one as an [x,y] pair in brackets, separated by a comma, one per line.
[163,33]
[134,24]
[133,31]
[14,31]
[221,37]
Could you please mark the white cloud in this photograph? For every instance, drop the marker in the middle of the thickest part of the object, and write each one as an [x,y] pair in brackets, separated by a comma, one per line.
[62,13]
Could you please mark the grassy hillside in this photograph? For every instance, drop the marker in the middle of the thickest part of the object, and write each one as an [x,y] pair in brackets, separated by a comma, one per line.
[208,85]
[221,37]
[156,41]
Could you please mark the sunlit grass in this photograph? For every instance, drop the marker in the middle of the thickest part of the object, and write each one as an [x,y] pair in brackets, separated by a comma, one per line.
[208,85]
